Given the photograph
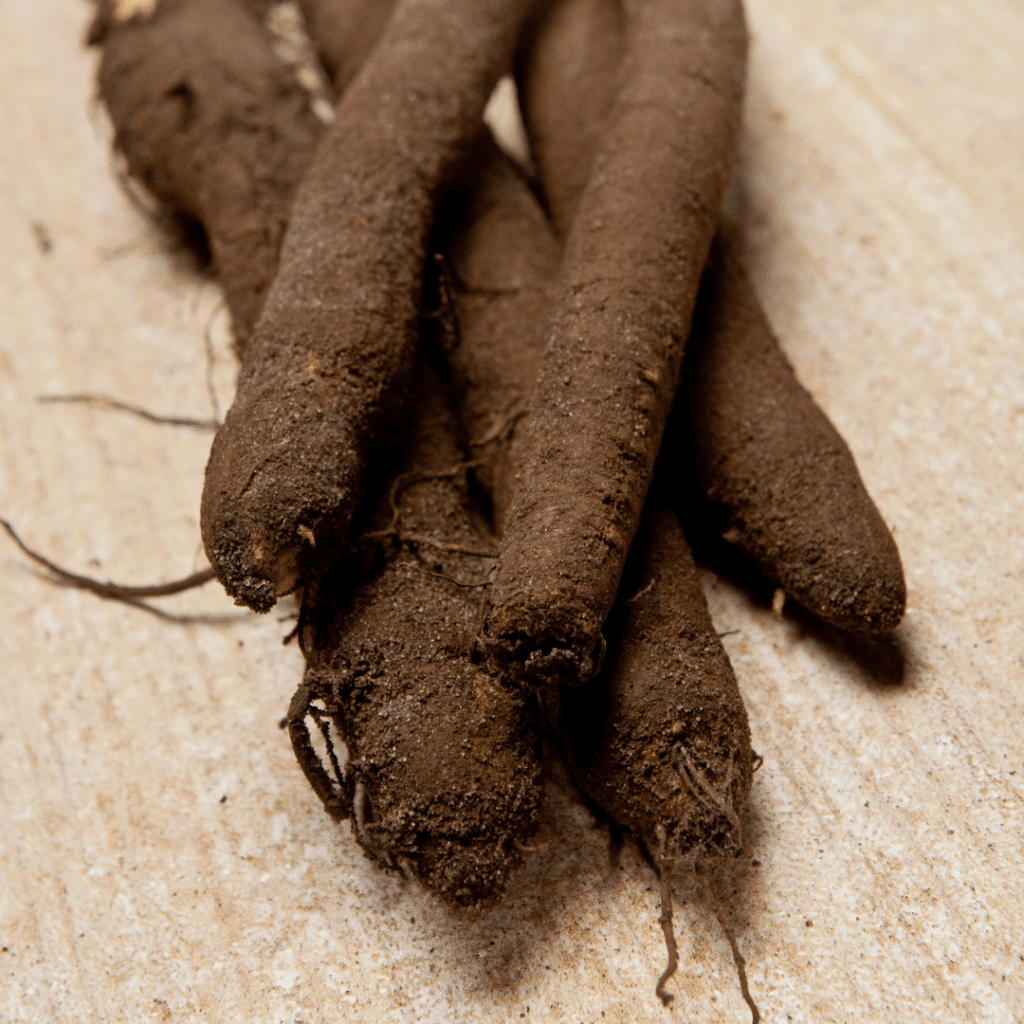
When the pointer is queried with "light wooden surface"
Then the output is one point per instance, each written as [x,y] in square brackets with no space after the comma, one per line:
[162,857]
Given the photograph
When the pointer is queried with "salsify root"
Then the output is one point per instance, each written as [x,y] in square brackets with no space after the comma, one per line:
[344,32]
[215,127]
[660,739]
[326,369]
[610,367]
[442,755]
[568,72]
[748,453]
[751,456]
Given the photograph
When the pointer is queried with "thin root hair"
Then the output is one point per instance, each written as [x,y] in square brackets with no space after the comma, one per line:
[741,965]
[392,530]
[130,595]
[335,794]
[713,797]
[211,359]
[136,410]
[442,576]
[663,865]
[114,591]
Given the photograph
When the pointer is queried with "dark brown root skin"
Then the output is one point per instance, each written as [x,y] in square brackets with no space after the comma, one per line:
[329,360]
[345,33]
[780,484]
[568,74]
[446,754]
[215,127]
[660,740]
[608,375]
[773,474]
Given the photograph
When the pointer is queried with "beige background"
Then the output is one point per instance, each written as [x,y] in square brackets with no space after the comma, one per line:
[162,857]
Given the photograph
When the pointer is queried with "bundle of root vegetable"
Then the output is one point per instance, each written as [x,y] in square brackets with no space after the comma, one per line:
[474,403]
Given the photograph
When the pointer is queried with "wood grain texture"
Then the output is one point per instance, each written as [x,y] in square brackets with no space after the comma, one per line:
[883,212]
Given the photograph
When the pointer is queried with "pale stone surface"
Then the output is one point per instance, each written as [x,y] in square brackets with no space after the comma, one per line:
[162,857]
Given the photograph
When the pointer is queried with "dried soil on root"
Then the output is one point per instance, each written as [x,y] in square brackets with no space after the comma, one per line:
[660,740]
[445,754]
